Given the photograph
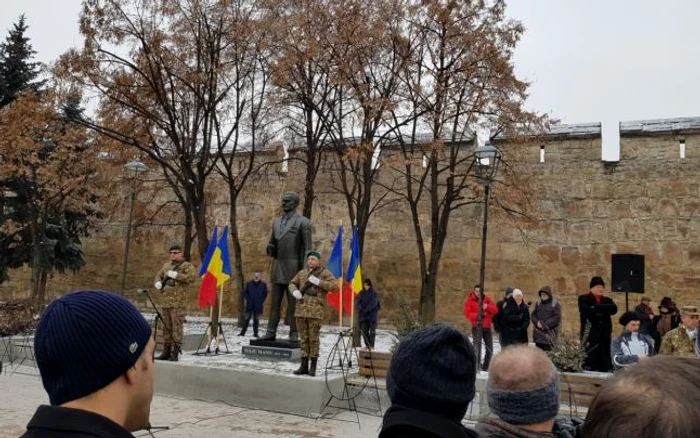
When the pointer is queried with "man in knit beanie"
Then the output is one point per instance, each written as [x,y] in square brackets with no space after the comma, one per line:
[94,351]
[523,395]
[430,384]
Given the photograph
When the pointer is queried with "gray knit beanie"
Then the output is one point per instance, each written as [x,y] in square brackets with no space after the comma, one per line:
[525,407]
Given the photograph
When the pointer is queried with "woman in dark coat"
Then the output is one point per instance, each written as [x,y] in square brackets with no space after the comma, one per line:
[368,306]
[596,310]
[546,320]
[514,320]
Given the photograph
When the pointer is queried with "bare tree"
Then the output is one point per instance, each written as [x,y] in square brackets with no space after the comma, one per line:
[241,127]
[301,73]
[460,78]
[155,68]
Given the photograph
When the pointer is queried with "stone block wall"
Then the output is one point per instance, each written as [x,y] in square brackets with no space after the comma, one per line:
[585,211]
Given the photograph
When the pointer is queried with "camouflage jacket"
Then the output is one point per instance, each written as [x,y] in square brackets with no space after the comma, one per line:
[677,343]
[313,304]
[176,292]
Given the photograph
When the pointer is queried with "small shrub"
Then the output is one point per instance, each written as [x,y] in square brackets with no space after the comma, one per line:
[568,353]
[407,322]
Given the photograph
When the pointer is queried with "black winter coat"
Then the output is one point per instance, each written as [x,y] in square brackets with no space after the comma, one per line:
[368,306]
[59,422]
[598,344]
[255,294]
[401,422]
[514,322]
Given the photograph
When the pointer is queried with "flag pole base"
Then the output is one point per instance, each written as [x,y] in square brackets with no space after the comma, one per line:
[217,350]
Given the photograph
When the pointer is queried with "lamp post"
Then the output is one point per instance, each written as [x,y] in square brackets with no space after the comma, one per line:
[137,167]
[487,158]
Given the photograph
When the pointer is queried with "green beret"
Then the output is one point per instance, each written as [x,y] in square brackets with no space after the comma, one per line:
[314,253]
[176,247]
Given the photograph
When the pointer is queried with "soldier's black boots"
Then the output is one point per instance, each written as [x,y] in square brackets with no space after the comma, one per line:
[167,351]
[175,354]
[312,368]
[304,367]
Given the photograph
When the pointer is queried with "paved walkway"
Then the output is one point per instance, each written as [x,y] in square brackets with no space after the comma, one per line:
[20,394]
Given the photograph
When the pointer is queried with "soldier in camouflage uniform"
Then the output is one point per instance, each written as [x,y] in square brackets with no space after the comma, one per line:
[680,342]
[174,281]
[309,287]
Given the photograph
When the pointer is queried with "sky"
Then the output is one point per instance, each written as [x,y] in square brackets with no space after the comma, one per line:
[593,61]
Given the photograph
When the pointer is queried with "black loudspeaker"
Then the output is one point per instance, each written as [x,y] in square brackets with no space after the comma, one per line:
[628,273]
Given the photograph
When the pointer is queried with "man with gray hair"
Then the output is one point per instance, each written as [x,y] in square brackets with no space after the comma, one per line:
[523,395]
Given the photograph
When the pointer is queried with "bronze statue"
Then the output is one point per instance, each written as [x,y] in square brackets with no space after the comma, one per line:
[289,242]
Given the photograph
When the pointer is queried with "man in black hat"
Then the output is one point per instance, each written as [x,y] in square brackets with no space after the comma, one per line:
[631,346]
[596,311]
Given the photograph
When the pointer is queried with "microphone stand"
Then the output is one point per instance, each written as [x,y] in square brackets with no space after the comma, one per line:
[159,316]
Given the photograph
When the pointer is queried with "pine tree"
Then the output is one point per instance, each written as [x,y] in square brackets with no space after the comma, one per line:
[18,71]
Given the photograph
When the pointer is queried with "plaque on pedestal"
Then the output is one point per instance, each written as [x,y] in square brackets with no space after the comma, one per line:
[282,349]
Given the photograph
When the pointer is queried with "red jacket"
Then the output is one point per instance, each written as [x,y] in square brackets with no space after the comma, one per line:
[471,309]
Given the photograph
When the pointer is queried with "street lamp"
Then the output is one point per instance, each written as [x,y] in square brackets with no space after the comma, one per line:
[487,160]
[137,167]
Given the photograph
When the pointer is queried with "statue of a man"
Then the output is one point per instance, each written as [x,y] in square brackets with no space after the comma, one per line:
[289,242]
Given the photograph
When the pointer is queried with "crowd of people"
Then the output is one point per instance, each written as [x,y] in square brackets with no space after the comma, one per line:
[673,331]
[431,383]
[431,380]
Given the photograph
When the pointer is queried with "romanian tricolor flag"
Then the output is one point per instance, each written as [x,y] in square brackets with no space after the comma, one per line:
[354,275]
[216,268]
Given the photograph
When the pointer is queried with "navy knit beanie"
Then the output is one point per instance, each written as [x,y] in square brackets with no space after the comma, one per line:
[434,370]
[85,340]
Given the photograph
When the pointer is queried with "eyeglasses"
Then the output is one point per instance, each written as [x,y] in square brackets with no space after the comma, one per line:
[175,252]
[694,316]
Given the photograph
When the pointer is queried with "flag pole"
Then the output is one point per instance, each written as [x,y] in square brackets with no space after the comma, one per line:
[340,283]
[209,332]
[221,298]
[352,296]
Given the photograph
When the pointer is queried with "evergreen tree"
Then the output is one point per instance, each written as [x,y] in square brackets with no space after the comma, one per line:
[18,71]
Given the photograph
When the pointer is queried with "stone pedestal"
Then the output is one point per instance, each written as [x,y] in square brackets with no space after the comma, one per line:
[275,350]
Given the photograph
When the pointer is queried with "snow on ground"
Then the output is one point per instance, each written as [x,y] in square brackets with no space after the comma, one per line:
[197,325]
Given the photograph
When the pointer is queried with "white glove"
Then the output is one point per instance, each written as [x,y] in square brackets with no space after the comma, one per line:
[172,274]
[158,285]
[296,294]
[314,280]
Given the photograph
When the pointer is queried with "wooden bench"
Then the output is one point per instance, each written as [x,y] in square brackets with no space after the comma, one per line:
[579,389]
[374,363]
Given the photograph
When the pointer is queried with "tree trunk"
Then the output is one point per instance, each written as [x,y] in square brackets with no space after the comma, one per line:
[187,242]
[427,299]
[41,293]
[309,192]
[237,259]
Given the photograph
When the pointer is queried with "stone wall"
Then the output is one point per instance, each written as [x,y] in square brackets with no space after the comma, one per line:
[586,210]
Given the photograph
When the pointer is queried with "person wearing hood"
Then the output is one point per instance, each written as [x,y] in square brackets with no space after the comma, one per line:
[546,320]
[668,319]
[471,312]
[514,320]
[632,345]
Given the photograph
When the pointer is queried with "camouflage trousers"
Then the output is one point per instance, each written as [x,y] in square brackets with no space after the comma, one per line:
[173,318]
[309,336]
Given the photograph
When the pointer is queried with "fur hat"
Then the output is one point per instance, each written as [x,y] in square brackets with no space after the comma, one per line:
[597,281]
[628,317]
